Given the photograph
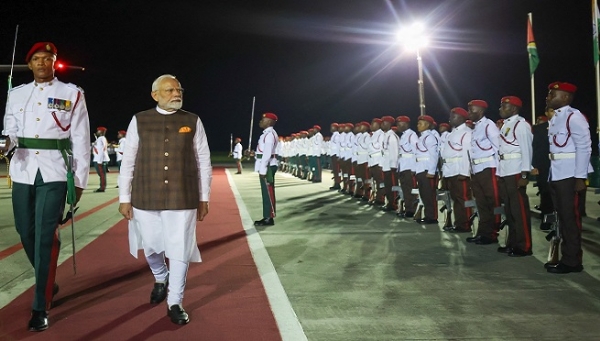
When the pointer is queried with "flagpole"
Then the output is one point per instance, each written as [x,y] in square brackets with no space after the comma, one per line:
[596,57]
[532,82]
[251,123]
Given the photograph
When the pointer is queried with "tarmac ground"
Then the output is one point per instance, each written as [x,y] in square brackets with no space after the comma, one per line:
[353,272]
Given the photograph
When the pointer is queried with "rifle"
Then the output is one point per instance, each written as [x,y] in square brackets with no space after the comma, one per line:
[553,237]
[399,199]
[503,222]
[473,204]
[447,207]
[419,211]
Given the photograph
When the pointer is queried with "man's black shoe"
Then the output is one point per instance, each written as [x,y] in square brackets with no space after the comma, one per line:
[562,268]
[473,239]
[545,226]
[265,222]
[549,265]
[99,190]
[409,214]
[159,292]
[427,221]
[519,253]
[486,241]
[504,249]
[38,321]
[448,228]
[334,187]
[177,314]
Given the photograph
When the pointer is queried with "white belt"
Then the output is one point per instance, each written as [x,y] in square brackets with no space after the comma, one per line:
[510,156]
[482,160]
[406,155]
[376,153]
[419,159]
[452,159]
[361,153]
[561,156]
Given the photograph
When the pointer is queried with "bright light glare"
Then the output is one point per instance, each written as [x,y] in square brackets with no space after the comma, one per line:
[413,37]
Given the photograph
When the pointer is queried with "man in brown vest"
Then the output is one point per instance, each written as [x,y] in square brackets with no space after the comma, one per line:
[164,187]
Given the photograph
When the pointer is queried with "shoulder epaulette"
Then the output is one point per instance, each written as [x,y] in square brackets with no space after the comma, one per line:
[73,86]
[17,87]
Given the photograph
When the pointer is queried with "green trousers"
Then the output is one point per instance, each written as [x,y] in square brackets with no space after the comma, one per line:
[267,188]
[38,209]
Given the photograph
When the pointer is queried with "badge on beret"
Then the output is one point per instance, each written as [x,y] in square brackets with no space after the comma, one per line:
[556,86]
[48,47]
[506,100]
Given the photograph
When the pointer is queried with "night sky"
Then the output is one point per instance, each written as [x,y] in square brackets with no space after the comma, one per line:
[310,62]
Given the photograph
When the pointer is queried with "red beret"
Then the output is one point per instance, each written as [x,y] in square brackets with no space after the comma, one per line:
[303,132]
[426,118]
[479,103]
[317,127]
[350,125]
[388,119]
[366,124]
[459,111]
[334,124]
[270,115]
[444,125]
[101,128]
[123,132]
[377,120]
[514,100]
[403,119]
[543,118]
[41,47]
[563,86]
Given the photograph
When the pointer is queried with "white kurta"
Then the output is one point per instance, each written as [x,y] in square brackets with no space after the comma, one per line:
[171,231]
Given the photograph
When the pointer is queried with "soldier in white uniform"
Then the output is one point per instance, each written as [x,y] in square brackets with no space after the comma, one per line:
[570,150]
[121,147]
[237,154]
[515,155]
[456,169]
[407,165]
[315,149]
[334,152]
[427,155]
[266,167]
[160,197]
[45,120]
[484,161]
[389,163]
[100,151]
[363,138]
[375,162]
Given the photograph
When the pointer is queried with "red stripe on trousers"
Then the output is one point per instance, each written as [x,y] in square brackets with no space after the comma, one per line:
[497,218]
[271,192]
[524,218]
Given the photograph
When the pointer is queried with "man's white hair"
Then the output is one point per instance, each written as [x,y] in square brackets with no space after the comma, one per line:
[160,79]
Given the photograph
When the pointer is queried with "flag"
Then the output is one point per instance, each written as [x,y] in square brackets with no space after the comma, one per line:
[534,59]
[595,22]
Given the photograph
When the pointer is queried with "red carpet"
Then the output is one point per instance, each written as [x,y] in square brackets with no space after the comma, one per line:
[108,298]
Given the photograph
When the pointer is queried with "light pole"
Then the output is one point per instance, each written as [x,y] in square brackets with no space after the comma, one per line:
[413,38]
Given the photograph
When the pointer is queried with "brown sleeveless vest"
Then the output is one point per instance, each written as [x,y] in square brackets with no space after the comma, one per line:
[166,173]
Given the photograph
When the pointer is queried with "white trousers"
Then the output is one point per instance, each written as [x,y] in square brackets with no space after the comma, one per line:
[176,274]
[172,232]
